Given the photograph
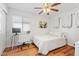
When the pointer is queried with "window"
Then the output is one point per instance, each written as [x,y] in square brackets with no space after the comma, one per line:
[26,27]
[17,19]
[18,22]
[17,25]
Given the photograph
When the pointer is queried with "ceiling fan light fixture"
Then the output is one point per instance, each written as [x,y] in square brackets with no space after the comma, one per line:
[45,4]
[47,8]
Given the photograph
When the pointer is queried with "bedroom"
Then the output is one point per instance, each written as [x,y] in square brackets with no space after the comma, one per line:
[25,31]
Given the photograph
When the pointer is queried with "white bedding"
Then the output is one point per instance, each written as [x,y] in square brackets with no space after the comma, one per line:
[48,42]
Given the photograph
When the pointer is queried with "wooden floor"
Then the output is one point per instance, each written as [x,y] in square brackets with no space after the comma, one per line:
[33,51]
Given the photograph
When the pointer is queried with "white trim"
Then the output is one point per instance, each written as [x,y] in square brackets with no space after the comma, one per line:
[3,11]
[71,44]
[3,7]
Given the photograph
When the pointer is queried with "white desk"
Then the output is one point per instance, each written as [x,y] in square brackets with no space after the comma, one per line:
[24,38]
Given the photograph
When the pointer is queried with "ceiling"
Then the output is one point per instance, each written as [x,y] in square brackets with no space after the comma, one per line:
[29,7]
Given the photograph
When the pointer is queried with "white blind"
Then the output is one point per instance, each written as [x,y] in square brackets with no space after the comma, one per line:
[19,22]
[17,25]
[17,19]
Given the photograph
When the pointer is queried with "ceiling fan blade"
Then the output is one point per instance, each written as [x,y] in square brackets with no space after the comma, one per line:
[38,8]
[40,12]
[55,4]
[55,10]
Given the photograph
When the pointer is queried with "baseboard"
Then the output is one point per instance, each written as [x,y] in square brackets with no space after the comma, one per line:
[1,51]
[71,44]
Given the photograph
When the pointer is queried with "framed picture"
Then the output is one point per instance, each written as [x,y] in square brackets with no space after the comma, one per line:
[66,21]
[56,23]
[76,18]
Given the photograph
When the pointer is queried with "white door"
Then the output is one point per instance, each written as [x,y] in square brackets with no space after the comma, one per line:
[2,30]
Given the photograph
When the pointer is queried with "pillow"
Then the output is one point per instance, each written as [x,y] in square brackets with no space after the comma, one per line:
[58,34]
[55,33]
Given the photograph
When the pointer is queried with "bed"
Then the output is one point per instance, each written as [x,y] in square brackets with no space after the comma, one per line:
[47,42]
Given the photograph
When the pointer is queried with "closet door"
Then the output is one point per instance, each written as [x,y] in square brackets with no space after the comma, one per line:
[2,30]
[1,34]
[0,23]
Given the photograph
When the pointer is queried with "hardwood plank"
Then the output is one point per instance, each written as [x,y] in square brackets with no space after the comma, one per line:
[33,51]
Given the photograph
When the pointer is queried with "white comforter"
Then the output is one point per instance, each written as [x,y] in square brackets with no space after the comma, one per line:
[46,43]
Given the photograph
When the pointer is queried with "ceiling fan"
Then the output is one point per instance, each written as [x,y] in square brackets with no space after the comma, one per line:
[47,7]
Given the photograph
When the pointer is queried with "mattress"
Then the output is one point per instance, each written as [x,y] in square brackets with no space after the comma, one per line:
[47,42]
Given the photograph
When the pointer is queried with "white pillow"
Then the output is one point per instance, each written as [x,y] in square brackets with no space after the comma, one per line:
[58,34]
[55,33]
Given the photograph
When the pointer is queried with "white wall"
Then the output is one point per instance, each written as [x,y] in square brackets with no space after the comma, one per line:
[71,33]
[32,18]
[2,27]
